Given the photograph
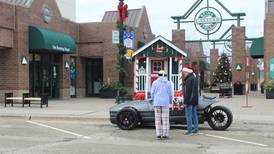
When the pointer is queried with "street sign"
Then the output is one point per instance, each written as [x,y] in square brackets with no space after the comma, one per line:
[239,67]
[128,38]
[115,37]
[271,68]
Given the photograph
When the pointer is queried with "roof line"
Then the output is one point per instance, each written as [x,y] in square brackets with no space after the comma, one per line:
[155,40]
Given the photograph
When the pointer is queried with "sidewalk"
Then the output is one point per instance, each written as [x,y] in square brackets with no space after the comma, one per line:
[262,109]
[95,108]
[84,108]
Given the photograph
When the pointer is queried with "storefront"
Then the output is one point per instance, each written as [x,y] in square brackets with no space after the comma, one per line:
[159,54]
[46,49]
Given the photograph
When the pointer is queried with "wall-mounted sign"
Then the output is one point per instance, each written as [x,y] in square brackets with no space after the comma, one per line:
[239,67]
[46,14]
[208,20]
[128,38]
[271,68]
[115,37]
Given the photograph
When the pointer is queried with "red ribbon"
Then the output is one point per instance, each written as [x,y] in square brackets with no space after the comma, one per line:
[124,10]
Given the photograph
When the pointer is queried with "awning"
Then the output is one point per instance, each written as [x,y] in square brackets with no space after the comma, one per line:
[41,39]
[204,65]
[257,48]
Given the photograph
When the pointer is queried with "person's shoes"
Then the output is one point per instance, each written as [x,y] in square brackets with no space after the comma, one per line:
[188,133]
[159,138]
[165,137]
[195,132]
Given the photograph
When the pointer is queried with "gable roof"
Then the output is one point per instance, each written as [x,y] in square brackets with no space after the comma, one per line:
[23,3]
[133,20]
[163,40]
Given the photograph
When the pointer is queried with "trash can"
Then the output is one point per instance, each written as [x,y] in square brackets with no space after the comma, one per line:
[238,88]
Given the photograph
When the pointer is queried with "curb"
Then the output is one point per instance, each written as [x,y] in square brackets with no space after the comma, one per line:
[57,118]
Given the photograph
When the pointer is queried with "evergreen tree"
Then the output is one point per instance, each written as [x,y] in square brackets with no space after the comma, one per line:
[223,72]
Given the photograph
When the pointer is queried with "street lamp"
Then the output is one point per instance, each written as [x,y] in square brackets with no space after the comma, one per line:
[121,17]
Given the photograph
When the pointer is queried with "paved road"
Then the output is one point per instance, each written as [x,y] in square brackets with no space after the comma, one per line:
[20,136]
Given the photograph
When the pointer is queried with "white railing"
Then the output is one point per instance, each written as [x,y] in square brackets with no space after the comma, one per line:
[141,82]
[175,81]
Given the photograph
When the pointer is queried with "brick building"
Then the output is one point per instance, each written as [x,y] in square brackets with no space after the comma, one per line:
[42,52]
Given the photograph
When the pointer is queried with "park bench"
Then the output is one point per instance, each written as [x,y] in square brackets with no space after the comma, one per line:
[42,100]
[10,99]
[26,99]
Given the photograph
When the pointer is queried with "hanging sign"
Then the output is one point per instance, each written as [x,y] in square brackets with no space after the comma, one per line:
[208,20]
[128,38]
[271,68]
[115,37]
[129,54]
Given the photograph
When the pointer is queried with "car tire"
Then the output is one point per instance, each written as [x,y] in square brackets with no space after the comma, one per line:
[219,118]
[127,119]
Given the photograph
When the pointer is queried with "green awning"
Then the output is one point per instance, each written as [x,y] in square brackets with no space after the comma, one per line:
[41,39]
[204,65]
[257,48]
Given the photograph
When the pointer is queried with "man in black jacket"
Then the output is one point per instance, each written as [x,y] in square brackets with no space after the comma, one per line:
[191,99]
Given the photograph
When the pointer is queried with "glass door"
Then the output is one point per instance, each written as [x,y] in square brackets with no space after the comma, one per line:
[94,76]
[44,75]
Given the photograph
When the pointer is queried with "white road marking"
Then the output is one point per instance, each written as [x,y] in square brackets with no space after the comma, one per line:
[60,130]
[235,140]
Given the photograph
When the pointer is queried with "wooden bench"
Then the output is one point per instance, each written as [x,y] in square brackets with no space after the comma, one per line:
[27,99]
[10,99]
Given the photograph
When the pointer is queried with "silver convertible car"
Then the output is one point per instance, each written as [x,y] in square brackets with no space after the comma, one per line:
[130,114]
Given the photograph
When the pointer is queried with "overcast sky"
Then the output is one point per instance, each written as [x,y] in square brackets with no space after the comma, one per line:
[160,11]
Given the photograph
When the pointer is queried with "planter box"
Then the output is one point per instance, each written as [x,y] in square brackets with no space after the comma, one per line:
[269,94]
[108,94]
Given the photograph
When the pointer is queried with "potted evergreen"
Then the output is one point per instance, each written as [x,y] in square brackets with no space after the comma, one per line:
[269,88]
[111,90]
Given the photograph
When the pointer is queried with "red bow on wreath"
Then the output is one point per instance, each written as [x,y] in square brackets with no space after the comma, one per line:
[124,12]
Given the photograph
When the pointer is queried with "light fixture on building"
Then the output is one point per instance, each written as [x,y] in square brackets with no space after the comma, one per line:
[24,60]
[253,73]
[66,65]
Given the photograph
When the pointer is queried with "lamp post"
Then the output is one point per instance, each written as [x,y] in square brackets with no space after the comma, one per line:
[121,17]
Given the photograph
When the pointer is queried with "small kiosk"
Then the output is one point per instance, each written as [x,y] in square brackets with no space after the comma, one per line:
[159,54]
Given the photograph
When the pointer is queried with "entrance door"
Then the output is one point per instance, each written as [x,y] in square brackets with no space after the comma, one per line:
[94,76]
[156,66]
[44,75]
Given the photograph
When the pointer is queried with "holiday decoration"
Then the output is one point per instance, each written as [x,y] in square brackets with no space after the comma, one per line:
[223,72]
[122,9]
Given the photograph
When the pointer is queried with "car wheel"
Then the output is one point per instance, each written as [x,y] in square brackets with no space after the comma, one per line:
[127,119]
[219,118]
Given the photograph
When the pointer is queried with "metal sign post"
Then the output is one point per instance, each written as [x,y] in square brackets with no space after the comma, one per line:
[246,83]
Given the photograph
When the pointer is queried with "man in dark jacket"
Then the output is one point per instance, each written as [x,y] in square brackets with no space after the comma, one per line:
[191,99]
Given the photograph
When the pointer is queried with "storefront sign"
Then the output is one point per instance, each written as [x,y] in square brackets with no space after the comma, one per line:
[64,49]
[115,37]
[128,38]
[271,68]
[208,20]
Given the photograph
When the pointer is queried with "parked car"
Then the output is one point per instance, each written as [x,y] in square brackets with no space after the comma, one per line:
[130,114]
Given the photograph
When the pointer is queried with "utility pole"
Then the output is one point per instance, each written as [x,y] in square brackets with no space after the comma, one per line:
[121,17]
